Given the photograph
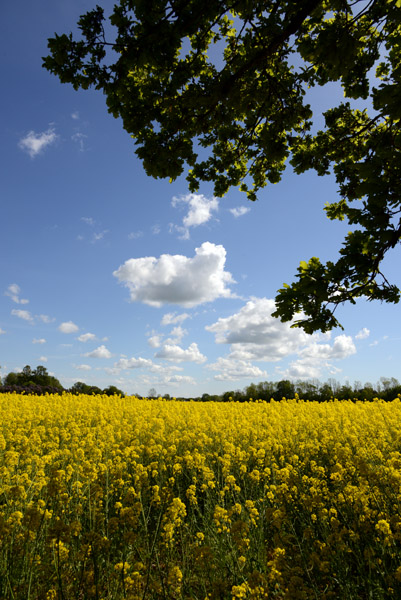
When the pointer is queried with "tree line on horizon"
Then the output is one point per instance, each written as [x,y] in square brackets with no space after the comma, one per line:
[39,381]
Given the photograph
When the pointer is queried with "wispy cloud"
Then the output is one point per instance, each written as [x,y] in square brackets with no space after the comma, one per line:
[22,314]
[35,143]
[39,341]
[79,138]
[239,211]
[13,291]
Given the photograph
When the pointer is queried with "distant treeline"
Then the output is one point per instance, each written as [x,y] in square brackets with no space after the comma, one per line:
[38,381]
[385,388]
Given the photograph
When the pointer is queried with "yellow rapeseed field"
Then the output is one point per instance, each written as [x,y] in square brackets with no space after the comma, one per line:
[110,498]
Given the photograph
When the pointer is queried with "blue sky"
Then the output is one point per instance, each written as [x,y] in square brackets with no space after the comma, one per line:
[110,277]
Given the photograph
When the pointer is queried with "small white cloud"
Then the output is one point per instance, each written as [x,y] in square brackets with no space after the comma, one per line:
[234,369]
[22,314]
[176,335]
[173,318]
[176,279]
[46,318]
[363,334]
[239,211]
[85,337]
[156,229]
[82,367]
[2,332]
[68,327]
[75,115]
[155,341]
[133,363]
[13,292]
[43,359]
[134,235]
[175,353]
[34,143]
[39,341]
[100,352]
[200,211]
[99,236]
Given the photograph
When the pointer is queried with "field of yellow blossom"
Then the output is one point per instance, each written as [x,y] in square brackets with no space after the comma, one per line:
[110,498]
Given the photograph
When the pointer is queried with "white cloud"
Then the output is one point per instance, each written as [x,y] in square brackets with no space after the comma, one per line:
[13,291]
[99,236]
[173,318]
[155,341]
[239,211]
[88,220]
[175,353]
[2,332]
[85,337]
[46,318]
[82,367]
[134,235]
[200,211]
[43,358]
[100,352]
[79,138]
[68,327]
[363,334]
[177,279]
[156,229]
[133,363]
[39,341]
[75,115]
[176,335]
[256,334]
[232,369]
[35,143]
[22,314]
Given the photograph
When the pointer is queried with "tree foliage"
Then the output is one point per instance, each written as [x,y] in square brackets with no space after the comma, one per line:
[217,89]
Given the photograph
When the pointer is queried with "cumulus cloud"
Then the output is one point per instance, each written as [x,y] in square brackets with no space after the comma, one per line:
[39,341]
[34,143]
[22,314]
[100,352]
[86,337]
[176,335]
[362,334]
[133,363]
[177,279]
[43,358]
[13,291]
[68,327]
[173,318]
[175,353]
[83,367]
[155,341]
[239,211]
[200,211]
[232,369]
[256,334]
